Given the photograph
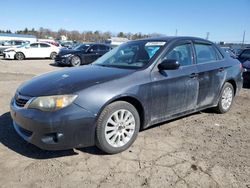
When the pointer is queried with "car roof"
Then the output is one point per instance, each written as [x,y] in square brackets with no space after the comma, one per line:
[171,38]
[94,43]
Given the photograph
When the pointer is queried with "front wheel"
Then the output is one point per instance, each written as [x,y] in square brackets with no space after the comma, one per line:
[117,127]
[226,98]
[53,55]
[75,61]
[19,56]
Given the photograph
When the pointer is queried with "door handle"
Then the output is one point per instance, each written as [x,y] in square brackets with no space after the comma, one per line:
[221,69]
[193,75]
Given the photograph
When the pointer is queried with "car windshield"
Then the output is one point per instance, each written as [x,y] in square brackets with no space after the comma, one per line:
[81,47]
[132,55]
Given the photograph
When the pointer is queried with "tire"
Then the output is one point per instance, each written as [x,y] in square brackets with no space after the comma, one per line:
[53,55]
[114,135]
[19,56]
[226,99]
[75,61]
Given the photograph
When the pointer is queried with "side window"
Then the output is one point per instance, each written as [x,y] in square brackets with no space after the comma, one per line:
[34,45]
[18,42]
[181,53]
[42,45]
[205,53]
[93,48]
[219,54]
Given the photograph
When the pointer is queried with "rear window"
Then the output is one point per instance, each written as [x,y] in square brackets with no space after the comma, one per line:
[205,53]
[245,54]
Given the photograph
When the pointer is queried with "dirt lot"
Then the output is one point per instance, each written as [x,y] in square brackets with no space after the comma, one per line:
[200,150]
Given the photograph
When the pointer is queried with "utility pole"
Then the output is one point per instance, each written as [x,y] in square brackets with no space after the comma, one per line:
[243,40]
[207,37]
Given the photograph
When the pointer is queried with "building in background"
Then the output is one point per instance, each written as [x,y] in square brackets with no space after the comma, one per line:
[11,36]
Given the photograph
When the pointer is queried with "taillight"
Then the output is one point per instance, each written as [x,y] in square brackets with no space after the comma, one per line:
[241,67]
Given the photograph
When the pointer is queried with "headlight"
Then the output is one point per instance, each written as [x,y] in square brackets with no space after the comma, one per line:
[51,103]
[67,55]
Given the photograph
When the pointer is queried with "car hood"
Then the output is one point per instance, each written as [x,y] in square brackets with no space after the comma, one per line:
[70,80]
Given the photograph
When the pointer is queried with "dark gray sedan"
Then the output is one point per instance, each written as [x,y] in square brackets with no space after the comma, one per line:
[132,87]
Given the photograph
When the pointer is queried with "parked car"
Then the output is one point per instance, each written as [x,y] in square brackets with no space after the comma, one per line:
[10,44]
[244,58]
[34,50]
[134,86]
[230,51]
[82,54]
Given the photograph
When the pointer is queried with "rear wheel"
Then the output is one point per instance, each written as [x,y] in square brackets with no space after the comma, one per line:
[75,61]
[19,56]
[226,98]
[53,55]
[117,127]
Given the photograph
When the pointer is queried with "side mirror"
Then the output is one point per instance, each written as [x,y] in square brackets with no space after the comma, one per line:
[90,50]
[169,64]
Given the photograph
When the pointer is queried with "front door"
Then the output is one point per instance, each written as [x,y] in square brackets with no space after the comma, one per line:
[32,51]
[175,91]
[91,55]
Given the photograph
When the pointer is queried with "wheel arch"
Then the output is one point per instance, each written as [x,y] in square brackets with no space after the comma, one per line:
[79,56]
[53,52]
[233,82]
[21,53]
[133,101]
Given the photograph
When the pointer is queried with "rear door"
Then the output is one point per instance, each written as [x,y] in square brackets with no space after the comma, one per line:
[175,91]
[45,50]
[102,49]
[211,72]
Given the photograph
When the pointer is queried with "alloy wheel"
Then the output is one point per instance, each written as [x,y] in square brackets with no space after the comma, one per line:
[227,98]
[120,128]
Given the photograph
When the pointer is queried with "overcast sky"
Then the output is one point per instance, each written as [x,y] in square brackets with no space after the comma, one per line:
[225,20]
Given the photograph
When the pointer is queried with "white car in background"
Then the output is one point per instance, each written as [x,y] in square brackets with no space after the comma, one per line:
[33,50]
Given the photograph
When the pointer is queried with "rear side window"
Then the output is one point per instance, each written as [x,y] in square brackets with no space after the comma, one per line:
[205,53]
[103,48]
[44,45]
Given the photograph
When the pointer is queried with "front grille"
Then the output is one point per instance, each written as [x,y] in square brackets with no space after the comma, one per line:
[20,100]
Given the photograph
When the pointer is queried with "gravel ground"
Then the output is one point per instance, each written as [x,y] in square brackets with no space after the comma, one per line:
[200,150]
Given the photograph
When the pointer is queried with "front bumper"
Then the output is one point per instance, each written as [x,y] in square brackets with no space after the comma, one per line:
[62,60]
[9,55]
[67,128]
